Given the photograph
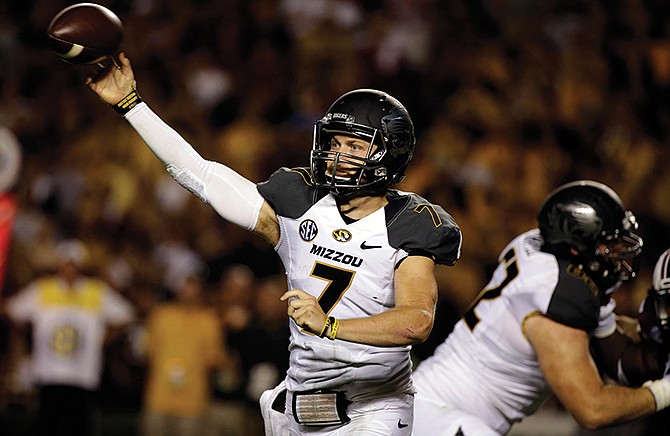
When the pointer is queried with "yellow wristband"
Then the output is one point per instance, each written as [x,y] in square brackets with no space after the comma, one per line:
[335,324]
[325,327]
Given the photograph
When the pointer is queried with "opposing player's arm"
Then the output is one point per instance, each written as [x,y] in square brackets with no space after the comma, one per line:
[409,322]
[565,360]
[606,352]
[235,198]
[626,357]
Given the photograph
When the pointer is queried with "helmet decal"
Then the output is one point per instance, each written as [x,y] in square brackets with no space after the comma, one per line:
[576,220]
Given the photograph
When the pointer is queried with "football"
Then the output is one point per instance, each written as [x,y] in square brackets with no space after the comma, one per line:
[643,361]
[85,33]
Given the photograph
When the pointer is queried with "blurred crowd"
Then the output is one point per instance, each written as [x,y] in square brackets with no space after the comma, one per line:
[510,98]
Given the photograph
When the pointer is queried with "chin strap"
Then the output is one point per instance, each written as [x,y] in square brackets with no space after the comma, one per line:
[345,194]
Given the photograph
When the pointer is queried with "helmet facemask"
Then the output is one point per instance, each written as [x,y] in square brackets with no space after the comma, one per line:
[343,172]
[618,253]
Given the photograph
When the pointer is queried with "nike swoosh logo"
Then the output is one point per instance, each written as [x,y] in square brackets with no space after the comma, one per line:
[365,246]
[401,425]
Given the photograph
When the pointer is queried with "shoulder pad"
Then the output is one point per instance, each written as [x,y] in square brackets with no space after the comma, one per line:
[575,301]
[422,228]
[290,191]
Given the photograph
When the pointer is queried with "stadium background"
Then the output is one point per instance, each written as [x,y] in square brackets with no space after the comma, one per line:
[510,98]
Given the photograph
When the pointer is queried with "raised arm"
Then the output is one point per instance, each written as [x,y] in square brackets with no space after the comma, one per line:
[233,197]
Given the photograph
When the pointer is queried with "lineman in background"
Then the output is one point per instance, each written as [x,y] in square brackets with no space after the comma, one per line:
[528,334]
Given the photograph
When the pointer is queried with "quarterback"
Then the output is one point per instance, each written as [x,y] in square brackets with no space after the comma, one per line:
[359,256]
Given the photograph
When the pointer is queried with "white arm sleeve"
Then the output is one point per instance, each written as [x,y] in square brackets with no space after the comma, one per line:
[233,197]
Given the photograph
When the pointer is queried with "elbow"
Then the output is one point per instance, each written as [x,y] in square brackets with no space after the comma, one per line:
[592,420]
[589,425]
[592,425]
[418,331]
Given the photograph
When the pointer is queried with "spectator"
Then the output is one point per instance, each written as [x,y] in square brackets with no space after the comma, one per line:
[252,314]
[70,314]
[183,347]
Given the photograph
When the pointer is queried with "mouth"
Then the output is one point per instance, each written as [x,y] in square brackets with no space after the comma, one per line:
[340,174]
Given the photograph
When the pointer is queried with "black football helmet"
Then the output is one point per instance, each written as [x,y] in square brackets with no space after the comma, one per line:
[373,116]
[585,222]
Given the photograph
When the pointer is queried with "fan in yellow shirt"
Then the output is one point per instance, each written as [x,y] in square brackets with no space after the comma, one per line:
[184,344]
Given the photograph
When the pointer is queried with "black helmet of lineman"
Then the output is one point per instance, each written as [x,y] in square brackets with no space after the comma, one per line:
[373,116]
[585,222]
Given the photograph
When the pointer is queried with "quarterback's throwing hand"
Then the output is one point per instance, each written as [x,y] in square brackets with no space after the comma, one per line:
[305,310]
[116,84]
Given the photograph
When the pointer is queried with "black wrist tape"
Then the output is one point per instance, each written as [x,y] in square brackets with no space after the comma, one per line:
[128,102]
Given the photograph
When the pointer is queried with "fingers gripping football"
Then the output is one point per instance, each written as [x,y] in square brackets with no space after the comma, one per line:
[115,84]
[304,309]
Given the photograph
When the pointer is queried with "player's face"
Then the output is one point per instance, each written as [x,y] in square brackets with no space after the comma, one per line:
[68,271]
[347,145]
[622,252]
[622,248]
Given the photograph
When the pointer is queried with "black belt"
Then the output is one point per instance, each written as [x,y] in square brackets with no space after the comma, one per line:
[279,404]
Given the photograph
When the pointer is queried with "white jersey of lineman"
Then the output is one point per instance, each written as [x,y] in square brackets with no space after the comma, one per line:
[69,328]
[487,371]
[349,267]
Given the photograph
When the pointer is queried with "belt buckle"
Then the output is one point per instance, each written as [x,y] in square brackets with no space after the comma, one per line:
[320,408]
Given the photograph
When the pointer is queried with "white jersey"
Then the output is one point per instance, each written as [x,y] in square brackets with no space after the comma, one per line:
[349,267]
[69,328]
[487,368]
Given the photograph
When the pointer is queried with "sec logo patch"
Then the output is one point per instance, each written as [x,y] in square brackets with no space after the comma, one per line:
[308,230]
